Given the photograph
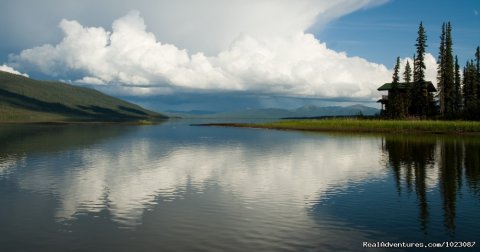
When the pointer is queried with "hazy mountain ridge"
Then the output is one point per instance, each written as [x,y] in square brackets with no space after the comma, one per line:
[26,100]
[313,111]
[276,113]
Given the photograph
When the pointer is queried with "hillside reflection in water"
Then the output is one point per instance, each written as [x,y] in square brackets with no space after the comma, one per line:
[223,187]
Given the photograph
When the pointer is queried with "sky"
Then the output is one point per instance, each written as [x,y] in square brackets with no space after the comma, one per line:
[229,55]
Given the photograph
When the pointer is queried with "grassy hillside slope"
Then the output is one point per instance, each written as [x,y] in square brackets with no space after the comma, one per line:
[27,100]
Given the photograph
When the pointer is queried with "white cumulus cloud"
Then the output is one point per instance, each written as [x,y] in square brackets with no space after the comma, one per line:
[9,69]
[430,71]
[296,64]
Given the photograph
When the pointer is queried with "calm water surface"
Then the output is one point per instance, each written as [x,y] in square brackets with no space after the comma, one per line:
[173,187]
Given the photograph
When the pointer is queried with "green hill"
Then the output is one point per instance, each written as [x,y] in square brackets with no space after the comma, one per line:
[26,100]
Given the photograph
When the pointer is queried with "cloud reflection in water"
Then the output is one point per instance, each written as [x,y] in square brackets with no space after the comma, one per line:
[129,179]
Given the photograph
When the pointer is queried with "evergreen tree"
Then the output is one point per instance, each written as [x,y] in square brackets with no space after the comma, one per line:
[465,88]
[407,77]
[395,101]
[470,90]
[407,74]
[449,73]
[477,57]
[410,90]
[421,45]
[446,72]
[396,71]
[414,65]
[441,71]
[420,102]
[477,79]
[458,88]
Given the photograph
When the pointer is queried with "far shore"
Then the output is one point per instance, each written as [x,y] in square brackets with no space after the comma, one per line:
[366,126]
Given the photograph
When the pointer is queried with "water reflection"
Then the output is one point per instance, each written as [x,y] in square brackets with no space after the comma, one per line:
[232,189]
[412,158]
[421,164]
[20,141]
[471,160]
[9,162]
[127,176]
[31,139]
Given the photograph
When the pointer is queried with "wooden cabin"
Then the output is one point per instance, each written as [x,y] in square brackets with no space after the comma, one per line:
[402,89]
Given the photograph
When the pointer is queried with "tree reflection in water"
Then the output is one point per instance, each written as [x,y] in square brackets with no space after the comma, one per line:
[450,161]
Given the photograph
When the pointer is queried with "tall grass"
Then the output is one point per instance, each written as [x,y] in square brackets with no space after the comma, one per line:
[376,125]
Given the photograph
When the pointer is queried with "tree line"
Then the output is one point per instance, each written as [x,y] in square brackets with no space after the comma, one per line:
[458,92]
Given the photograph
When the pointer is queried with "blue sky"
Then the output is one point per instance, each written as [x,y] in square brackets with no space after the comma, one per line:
[248,53]
[382,33]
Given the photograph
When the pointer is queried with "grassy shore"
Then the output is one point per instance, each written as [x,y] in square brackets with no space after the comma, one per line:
[367,125]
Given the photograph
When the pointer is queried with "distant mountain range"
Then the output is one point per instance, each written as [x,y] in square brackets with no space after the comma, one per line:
[276,113]
[26,100]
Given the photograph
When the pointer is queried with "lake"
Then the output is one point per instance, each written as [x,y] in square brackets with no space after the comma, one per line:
[176,187]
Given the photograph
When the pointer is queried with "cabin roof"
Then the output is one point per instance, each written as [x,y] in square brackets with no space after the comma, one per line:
[403,85]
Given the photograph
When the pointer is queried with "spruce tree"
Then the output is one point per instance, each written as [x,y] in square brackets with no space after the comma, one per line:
[410,90]
[446,73]
[395,103]
[458,88]
[396,71]
[465,88]
[441,71]
[477,58]
[407,77]
[470,91]
[419,101]
[407,74]
[414,66]
[449,73]
[477,79]
[421,45]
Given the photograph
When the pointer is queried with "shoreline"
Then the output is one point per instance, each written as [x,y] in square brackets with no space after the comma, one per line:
[361,126]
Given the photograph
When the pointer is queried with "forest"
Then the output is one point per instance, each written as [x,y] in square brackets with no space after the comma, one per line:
[457,96]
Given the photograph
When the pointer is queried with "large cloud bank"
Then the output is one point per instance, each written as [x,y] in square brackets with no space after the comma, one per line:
[207,26]
[296,64]
[285,61]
